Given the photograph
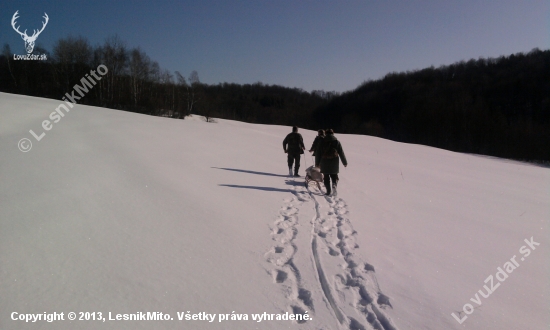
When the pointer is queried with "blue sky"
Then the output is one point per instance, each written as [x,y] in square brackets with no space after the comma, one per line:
[329,45]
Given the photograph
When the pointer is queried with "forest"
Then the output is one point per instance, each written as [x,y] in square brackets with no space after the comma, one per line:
[497,106]
[137,83]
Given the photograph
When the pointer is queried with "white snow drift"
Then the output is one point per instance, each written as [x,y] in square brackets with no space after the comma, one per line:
[126,214]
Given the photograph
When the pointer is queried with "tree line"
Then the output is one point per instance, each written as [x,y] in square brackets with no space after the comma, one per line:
[136,83]
[498,107]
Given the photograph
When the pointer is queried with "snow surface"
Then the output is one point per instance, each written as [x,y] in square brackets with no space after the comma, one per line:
[125,213]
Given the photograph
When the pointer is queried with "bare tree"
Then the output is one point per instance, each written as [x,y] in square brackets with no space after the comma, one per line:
[166,82]
[183,90]
[73,56]
[188,90]
[154,90]
[6,51]
[192,91]
[114,55]
[139,69]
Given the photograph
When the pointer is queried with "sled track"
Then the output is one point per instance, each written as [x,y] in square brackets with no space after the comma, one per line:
[322,278]
[352,293]
[356,285]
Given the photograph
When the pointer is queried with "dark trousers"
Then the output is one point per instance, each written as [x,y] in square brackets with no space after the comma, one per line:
[291,159]
[326,181]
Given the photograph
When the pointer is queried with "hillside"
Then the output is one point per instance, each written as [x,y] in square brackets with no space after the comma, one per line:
[120,212]
[496,106]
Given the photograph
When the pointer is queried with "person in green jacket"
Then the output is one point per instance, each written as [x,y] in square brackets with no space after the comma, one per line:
[327,157]
[295,148]
[318,139]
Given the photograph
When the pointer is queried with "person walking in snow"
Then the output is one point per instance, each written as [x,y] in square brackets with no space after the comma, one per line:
[317,142]
[295,148]
[328,158]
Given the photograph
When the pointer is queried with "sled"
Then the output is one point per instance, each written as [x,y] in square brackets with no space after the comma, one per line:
[313,174]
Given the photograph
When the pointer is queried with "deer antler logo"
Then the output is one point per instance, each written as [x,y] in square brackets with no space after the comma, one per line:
[29,40]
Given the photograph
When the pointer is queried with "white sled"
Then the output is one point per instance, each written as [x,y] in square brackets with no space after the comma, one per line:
[313,174]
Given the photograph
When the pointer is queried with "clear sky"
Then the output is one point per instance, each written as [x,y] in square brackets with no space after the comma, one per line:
[309,44]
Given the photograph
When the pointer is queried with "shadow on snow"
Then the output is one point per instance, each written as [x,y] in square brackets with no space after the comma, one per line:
[255,187]
[251,172]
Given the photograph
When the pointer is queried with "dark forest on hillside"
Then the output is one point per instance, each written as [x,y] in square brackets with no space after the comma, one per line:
[498,107]
[136,83]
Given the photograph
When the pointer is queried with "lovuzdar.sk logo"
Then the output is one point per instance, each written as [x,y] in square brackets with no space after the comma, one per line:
[29,40]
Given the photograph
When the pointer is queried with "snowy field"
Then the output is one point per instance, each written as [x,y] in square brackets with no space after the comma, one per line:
[121,213]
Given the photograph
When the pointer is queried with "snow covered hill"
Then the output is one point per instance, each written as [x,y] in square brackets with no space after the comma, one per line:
[121,213]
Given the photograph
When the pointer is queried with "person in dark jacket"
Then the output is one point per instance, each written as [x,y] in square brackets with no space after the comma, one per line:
[317,142]
[295,148]
[328,157]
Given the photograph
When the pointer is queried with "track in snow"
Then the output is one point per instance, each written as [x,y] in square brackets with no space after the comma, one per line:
[356,285]
[281,256]
[351,291]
